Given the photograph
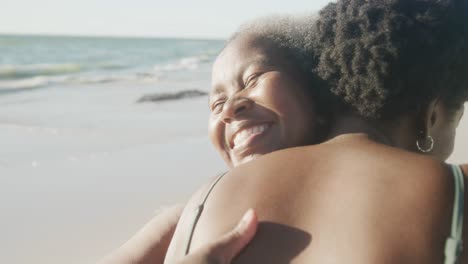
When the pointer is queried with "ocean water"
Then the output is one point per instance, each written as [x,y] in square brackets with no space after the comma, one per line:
[28,62]
[52,86]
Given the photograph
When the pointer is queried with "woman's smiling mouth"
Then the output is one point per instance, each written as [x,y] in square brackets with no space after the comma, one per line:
[246,136]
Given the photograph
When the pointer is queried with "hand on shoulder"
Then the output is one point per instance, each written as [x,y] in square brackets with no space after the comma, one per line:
[224,249]
[151,243]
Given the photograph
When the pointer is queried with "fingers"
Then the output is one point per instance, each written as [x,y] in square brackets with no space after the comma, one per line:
[231,244]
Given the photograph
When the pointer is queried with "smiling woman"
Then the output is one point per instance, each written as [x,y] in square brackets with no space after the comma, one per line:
[259,105]
[262,98]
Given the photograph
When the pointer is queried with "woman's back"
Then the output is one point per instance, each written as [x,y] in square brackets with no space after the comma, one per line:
[349,200]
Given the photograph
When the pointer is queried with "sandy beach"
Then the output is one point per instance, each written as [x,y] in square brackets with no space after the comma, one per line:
[70,195]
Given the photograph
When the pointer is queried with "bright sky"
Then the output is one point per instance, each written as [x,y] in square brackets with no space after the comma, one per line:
[158,18]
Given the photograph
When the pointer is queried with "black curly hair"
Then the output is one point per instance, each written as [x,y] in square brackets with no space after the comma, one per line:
[384,58]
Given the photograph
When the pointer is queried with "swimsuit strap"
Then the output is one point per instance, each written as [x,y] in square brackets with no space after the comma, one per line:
[454,243]
[199,210]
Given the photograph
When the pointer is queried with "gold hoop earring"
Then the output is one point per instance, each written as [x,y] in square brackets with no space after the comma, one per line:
[431,145]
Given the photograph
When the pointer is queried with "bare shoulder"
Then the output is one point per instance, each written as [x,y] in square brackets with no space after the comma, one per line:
[399,206]
[406,181]
[395,204]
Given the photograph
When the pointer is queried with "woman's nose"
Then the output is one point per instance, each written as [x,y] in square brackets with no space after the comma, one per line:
[236,107]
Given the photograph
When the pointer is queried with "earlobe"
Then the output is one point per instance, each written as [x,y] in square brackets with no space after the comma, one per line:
[429,118]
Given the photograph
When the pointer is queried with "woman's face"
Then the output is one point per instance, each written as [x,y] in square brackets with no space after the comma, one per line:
[257,104]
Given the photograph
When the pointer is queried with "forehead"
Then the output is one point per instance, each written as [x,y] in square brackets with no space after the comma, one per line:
[243,50]
[240,54]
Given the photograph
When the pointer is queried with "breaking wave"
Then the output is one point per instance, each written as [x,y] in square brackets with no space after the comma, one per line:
[24,77]
[188,63]
[32,70]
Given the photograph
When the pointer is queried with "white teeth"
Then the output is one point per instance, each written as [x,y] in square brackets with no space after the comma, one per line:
[244,134]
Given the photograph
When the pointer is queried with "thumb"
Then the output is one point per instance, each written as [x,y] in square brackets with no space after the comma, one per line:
[231,244]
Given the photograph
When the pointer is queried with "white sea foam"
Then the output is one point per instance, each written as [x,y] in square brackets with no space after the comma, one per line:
[43,81]
[28,83]
[22,77]
[109,78]
[188,63]
[9,71]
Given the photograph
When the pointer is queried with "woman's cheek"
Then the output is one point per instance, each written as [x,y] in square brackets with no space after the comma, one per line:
[214,131]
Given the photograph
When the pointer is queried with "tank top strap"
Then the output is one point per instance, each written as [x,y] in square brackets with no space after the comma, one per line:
[199,210]
[454,243]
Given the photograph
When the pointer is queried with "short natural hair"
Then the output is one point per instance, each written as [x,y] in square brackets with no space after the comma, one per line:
[385,58]
[287,33]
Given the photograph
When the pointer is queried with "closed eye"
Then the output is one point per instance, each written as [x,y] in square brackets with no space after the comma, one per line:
[217,106]
[252,80]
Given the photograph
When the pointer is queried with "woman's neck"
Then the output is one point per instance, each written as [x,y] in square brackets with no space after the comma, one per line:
[352,124]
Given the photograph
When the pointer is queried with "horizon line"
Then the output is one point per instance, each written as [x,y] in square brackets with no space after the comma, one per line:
[108,36]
